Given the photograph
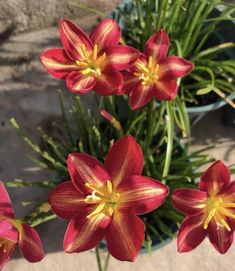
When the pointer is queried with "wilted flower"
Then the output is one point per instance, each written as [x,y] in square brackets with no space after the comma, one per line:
[103,201]
[13,232]
[154,74]
[90,63]
[210,210]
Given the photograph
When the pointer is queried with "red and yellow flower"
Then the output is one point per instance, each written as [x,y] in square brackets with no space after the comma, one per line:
[154,74]
[103,201]
[90,63]
[13,232]
[210,210]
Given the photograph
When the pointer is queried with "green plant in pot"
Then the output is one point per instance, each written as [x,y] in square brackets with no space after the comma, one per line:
[119,157]
[198,33]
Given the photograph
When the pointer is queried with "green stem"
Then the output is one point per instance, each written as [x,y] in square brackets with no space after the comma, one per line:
[170,132]
[106,262]
[98,258]
[150,125]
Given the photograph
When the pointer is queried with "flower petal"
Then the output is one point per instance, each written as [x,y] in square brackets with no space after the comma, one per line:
[58,63]
[8,231]
[215,178]
[157,45]
[79,83]
[84,168]
[219,237]
[30,244]
[73,38]
[85,233]
[125,236]
[191,233]
[109,83]
[140,96]
[107,33]
[140,195]
[66,200]
[120,57]
[125,158]
[166,90]
[228,193]
[189,201]
[9,247]
[6,208]
[130,82]
[174,67]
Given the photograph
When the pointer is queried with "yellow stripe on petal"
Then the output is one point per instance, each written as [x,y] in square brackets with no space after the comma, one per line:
[83,233]
[55,65]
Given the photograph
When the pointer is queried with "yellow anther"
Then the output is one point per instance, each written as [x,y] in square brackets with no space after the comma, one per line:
[141,66]
[208,219]
[100,59]
[84,50]
[95,50]
[150,62]
[109,187]
[110,210]
[99,190]
[222,221]
[4,250]
[98,210]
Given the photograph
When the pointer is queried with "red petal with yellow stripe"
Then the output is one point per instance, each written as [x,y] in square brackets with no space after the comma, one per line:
[120,57]
[84,168]
[140,195]
[30,244]
[130,82]
[85,233]
[189,201]
[219,236]
[215,178]
[109,83]
[157,46]
[6,208]
[174,67]
[191,233]
[79,83]
[140,96]
[58,63]
[8,231]
[73,39]
[66,200]
[125,236]
[166,90]
[228,193]
[107,33]
[125,158]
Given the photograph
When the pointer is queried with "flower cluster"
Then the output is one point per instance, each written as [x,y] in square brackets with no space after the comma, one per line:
[103,201]
[99,63]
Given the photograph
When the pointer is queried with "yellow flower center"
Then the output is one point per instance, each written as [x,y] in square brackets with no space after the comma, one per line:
[91,63]
[147,74]
[218,209]
[105,197]
[5,245]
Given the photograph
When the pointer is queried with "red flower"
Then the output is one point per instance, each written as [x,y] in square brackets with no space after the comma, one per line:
[90,63]
[154,74]
[12,231]
[103,201]
[210,210]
